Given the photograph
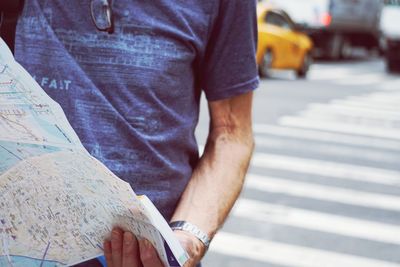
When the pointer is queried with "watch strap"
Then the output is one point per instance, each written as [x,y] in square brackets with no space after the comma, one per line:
[192,229]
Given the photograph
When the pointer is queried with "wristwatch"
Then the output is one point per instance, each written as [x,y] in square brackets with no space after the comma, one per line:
[192,229]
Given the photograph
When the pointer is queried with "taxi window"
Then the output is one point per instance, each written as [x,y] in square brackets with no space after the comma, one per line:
[276,19]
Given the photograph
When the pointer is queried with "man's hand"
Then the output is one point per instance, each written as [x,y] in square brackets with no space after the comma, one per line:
[124,250]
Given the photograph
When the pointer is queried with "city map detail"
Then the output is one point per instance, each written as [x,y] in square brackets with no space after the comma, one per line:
[52,206]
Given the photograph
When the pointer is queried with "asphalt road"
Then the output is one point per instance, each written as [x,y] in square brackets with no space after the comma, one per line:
[324,184]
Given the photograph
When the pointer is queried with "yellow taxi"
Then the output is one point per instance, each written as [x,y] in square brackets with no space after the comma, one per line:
[280,45]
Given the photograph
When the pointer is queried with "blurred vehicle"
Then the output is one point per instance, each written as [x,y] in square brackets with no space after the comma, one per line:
[280,46]
[336,26]
[390,27]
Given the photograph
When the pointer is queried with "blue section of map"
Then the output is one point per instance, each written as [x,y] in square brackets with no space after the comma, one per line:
[11,153]
[22,261]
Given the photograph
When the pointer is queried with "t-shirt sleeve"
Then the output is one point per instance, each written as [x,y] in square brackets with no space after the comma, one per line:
[229,67]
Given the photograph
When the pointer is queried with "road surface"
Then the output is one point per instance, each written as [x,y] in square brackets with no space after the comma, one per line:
[324,184]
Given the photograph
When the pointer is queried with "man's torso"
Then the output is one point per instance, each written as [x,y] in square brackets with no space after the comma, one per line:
[131,96]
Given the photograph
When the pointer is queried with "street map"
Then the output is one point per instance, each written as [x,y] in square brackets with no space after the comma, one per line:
[53,209]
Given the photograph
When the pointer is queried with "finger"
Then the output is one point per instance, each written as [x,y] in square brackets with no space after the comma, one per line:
[116,247]
[148,254]
[107,253]
[130,251]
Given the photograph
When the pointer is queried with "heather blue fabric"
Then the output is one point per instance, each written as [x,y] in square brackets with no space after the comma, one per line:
[133,96]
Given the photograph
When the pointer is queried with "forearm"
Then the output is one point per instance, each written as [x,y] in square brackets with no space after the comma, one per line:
[218,179]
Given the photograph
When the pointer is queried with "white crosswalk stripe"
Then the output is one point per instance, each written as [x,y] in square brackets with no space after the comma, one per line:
[344,110]
[370,105]
[345,77]
[327,168]
[363,79]
[390,85]
[329,149]
[342,127]
[278,214]
[386,99]
[329,75]
[320,192]
[324,136]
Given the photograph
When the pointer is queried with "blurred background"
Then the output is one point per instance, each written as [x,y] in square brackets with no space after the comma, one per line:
[324,184]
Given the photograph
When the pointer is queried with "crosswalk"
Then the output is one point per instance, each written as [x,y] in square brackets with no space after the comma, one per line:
[323,188]
[321,192]
[269,252]
[345,76]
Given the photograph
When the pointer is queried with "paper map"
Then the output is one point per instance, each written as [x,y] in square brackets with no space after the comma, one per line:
[57,202]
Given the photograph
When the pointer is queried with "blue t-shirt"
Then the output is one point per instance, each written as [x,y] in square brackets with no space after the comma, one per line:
[133,96]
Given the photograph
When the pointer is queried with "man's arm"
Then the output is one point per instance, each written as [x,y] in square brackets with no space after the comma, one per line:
[213,188]
[218,178]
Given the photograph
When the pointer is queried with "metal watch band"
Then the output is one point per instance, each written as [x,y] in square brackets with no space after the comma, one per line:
[193,229]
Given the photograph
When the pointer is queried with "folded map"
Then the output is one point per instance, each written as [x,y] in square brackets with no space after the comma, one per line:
[58,203]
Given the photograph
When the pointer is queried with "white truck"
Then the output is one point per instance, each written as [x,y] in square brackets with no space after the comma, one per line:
[336,26]
[390,28]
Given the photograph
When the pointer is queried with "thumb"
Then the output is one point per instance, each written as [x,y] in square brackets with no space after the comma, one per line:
[148,254]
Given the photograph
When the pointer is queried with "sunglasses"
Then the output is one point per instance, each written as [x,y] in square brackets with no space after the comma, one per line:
[102,16]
